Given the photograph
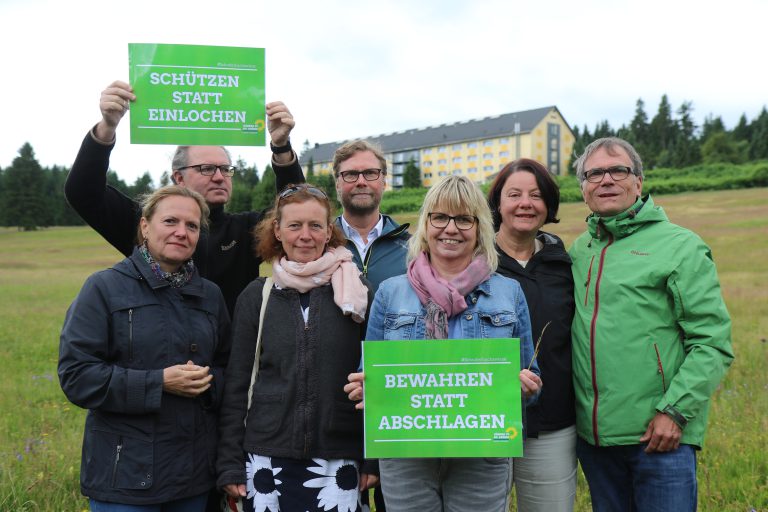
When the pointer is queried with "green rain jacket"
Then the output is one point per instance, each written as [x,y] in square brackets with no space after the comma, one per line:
[651,331]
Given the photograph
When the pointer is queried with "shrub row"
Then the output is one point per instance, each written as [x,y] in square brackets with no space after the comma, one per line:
[657,181]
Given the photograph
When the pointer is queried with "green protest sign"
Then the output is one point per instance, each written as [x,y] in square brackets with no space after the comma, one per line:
[442,398]
[197,95]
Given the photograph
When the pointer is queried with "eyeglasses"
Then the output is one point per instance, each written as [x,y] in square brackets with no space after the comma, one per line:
[441,220]
[307,188]
[210,169]
[368,174]
[617,172]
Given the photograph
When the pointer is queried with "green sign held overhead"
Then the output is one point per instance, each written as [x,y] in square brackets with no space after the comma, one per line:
[442,398]
[197,95]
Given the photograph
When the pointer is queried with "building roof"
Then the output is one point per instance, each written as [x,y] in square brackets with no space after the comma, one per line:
[474,129]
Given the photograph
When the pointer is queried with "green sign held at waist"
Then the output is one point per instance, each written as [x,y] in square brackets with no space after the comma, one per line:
[197,95]
[442,398]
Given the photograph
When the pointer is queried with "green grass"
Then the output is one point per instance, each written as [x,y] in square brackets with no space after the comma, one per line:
[42,271]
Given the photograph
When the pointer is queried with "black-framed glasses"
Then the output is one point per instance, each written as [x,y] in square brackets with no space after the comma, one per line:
[617,172]
[288,192]
[441,220]
[210,169]
[368,174]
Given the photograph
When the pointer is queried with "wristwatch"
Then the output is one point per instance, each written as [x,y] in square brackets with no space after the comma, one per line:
[281,149]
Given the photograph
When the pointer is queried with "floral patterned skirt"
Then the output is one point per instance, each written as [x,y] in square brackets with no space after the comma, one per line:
[277,484]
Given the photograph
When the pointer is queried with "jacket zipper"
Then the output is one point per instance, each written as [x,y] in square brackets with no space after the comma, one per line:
[394,233]
[589,277]
[592,339]
[130,335]
[661,368]
[117,460]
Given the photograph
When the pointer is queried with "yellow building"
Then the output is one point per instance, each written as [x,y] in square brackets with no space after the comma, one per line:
[477,148]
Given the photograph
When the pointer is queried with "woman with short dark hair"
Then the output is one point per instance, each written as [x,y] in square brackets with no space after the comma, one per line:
[523,198]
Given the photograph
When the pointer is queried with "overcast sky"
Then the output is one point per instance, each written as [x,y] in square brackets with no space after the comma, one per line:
[359,68]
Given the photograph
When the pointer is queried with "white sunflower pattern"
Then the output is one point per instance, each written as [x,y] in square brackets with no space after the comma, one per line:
[262,483]
[338,484]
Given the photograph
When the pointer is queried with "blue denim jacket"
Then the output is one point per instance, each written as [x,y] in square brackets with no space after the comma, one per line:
[496,309]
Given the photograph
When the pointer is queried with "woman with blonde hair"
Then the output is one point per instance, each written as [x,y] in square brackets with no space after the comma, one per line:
[143,348]
[451,290]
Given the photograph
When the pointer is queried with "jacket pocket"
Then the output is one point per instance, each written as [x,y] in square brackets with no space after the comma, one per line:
[115,460]
[499,324]
[345,422]
[137,327]
[266,413]
[399,326]
[660,368]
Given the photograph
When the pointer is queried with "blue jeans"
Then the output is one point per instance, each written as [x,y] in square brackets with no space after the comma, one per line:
[625,478]
[191,504]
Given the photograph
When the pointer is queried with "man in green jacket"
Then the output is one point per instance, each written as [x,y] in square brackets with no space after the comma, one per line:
[651,340]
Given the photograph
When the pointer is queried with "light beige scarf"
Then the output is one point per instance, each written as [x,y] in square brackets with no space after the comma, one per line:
[335,266]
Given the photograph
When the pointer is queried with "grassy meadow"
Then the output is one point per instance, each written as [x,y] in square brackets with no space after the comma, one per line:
[42,271]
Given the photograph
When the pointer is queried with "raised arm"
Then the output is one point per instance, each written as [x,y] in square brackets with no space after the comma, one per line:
[113,215]
[285,162]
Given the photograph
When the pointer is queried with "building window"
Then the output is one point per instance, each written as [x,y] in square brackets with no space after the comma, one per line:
[456,171]
[427,150]
[471,158]
[427,163]
[487,156]
[441,149]
[472,144]
[457,159]
[503,153]
[488,142]
[488,168]
[503,140]
[427,175]
[442,161]
[456,147]
[472,170]
[442,173]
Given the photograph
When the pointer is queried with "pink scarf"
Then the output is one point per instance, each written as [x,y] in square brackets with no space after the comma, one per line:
[336,266]
[441,298]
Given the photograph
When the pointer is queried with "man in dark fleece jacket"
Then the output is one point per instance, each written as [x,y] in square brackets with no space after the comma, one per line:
[225,252]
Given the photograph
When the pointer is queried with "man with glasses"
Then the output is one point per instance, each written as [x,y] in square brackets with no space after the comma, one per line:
[378,243]
[225,252]
[651,340]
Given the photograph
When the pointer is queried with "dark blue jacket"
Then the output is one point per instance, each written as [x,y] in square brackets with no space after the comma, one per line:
[386,255]
[141,445]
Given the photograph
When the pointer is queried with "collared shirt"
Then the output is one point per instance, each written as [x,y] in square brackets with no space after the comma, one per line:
[353,235]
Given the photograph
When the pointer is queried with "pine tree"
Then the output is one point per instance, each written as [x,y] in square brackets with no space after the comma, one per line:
[758,145]
[263,195]
[662,132]
[743,129]
[412,175]
[24,202]
[711,126]
[686,150]
[142,186]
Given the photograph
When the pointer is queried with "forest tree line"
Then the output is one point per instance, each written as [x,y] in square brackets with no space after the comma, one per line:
[32,196]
